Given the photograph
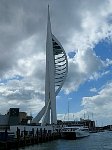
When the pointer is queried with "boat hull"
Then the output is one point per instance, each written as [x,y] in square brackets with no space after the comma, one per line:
[81,134]
[74,132]
[68,135]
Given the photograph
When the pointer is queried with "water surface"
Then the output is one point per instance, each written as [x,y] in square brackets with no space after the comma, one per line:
[96,141]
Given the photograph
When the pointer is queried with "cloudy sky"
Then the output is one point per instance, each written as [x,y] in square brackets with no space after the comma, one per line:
[84,28]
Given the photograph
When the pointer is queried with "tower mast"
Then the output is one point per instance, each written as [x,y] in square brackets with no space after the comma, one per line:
[56,72]
[50,77]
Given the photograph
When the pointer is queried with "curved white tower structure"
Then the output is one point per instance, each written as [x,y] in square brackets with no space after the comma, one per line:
[56,72]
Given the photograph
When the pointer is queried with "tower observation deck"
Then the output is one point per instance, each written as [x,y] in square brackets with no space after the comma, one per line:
[56,72]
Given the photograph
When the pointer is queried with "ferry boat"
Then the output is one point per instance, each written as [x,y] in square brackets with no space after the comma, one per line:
[74,132]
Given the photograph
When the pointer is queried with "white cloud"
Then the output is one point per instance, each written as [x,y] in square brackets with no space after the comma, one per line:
[22,94]
[100,104]
[80,68]
[108,62]
[93,90]
[97,75]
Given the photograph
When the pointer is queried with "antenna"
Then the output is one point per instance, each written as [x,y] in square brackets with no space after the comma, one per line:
[68,110]
[64,117]
[84,115]
[73,117]
[92,116]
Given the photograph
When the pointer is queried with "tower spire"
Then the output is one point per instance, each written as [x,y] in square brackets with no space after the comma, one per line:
[48,21]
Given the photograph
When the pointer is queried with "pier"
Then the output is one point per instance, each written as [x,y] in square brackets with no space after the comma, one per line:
[25,138]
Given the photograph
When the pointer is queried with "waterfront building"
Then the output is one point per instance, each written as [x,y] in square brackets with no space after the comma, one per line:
[82,122]
[14,117]
[89,123]
[56,71]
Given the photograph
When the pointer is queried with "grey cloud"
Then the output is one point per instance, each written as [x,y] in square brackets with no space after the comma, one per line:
[19,20]
[21,94]
[24,95]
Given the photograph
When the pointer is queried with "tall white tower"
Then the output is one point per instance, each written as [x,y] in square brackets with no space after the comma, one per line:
[56,71]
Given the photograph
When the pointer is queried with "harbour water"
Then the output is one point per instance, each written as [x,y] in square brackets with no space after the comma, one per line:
[96,141]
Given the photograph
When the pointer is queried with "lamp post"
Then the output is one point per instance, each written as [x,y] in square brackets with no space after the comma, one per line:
[68,110]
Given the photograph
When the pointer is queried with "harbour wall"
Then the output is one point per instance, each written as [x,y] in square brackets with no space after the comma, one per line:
[27,135]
